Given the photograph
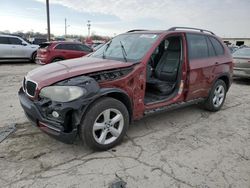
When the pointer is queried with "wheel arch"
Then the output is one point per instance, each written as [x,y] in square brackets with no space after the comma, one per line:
[56,57]
[117,94]
[226,78]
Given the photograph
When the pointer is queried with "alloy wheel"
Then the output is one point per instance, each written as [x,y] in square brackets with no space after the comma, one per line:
[219,95]
[108,126]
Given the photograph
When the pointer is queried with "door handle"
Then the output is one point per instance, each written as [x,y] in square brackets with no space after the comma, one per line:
[216,63]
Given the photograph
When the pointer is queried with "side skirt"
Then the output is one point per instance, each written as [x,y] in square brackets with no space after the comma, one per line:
[173,106]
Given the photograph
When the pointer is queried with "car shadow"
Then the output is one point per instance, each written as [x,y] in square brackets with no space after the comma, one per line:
[242,81]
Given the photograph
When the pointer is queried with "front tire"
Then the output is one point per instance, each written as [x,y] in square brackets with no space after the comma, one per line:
[105,124]
[33,57]
[217,96]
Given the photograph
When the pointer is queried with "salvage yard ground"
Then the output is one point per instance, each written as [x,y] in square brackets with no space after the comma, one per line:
[188,147]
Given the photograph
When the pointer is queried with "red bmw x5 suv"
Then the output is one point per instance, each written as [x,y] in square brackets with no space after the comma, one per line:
[50,52]
[135,74]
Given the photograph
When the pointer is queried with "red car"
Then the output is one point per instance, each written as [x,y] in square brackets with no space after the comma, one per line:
[50,52]
[136,74]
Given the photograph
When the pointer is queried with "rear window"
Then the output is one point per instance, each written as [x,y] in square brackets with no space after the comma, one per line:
[197,46]
[45,45]
[217,46]
[4,40]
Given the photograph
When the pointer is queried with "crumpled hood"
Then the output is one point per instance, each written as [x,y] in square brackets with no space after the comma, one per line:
[55,72]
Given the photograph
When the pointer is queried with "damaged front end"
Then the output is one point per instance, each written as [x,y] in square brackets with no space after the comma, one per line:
[60,119]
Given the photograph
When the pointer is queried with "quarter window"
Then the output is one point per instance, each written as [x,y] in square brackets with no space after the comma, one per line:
[210,48]
[197,46]
[217,46]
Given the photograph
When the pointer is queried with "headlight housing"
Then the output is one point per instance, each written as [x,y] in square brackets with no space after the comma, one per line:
[62,93]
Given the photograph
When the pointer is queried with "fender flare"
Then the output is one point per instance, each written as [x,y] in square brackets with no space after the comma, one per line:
[115,93]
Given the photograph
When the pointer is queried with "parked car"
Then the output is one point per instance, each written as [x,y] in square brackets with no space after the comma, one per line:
[242,63]
[39,41]
[136,74]
[50,52]
[233,49]
[14,48]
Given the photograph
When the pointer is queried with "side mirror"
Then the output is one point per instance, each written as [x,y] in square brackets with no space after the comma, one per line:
[24,43]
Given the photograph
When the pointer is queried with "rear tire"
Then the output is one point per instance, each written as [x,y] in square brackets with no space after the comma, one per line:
[104,124]
[56,59]
[217,96]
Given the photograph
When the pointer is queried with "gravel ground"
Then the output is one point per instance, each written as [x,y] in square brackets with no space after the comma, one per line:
[188,147]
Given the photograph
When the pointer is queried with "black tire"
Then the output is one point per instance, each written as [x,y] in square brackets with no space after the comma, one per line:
[33,57]
[56,59]
[88,136]
[209,104]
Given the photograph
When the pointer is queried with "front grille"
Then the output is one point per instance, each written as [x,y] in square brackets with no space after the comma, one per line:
[30,88]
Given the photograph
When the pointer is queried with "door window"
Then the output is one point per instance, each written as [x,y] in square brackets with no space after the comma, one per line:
[81,47]
[15,41]
[4,40]
[197,46]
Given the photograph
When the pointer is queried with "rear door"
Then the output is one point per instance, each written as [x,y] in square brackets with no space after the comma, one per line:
[202,63]
[5,47]
[18,50]
[67,51]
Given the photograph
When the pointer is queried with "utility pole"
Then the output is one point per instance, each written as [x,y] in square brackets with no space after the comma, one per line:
[48,19]
[89,25]
[65,26]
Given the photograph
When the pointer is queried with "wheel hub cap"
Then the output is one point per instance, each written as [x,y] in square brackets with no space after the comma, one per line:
[108,126]
[219,94]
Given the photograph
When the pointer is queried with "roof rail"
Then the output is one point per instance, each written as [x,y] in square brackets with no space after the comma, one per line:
[134,30]
[190,28]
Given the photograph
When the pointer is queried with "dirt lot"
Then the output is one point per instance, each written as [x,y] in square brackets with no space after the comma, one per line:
[184,148]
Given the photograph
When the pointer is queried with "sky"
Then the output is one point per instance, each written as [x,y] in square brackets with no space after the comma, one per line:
[227,18]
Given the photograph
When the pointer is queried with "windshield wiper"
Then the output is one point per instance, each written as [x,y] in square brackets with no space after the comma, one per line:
[104,51]
[124,53]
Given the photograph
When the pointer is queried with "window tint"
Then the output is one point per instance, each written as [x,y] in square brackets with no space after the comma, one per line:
[197,46]
[217,46]
[81,47]
[4,40]
[15,41]
[66,47]
[210,48]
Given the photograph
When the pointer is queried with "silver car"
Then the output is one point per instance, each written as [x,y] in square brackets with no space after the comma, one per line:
[14,48]
[242,63]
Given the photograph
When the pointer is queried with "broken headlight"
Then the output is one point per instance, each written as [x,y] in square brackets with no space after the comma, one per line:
[62,93]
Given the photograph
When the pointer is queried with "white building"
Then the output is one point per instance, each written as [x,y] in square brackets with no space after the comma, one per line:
[237,41]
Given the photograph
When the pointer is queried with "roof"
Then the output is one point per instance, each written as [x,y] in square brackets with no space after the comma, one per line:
[9,35]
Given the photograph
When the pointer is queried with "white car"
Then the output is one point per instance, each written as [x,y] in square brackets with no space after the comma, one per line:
[14,48]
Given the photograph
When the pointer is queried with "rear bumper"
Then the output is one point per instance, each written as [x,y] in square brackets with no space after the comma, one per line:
[41,61]
[53,128]
[241,72]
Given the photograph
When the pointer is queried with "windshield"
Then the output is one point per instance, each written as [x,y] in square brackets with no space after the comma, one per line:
[244,52]
[126,47]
